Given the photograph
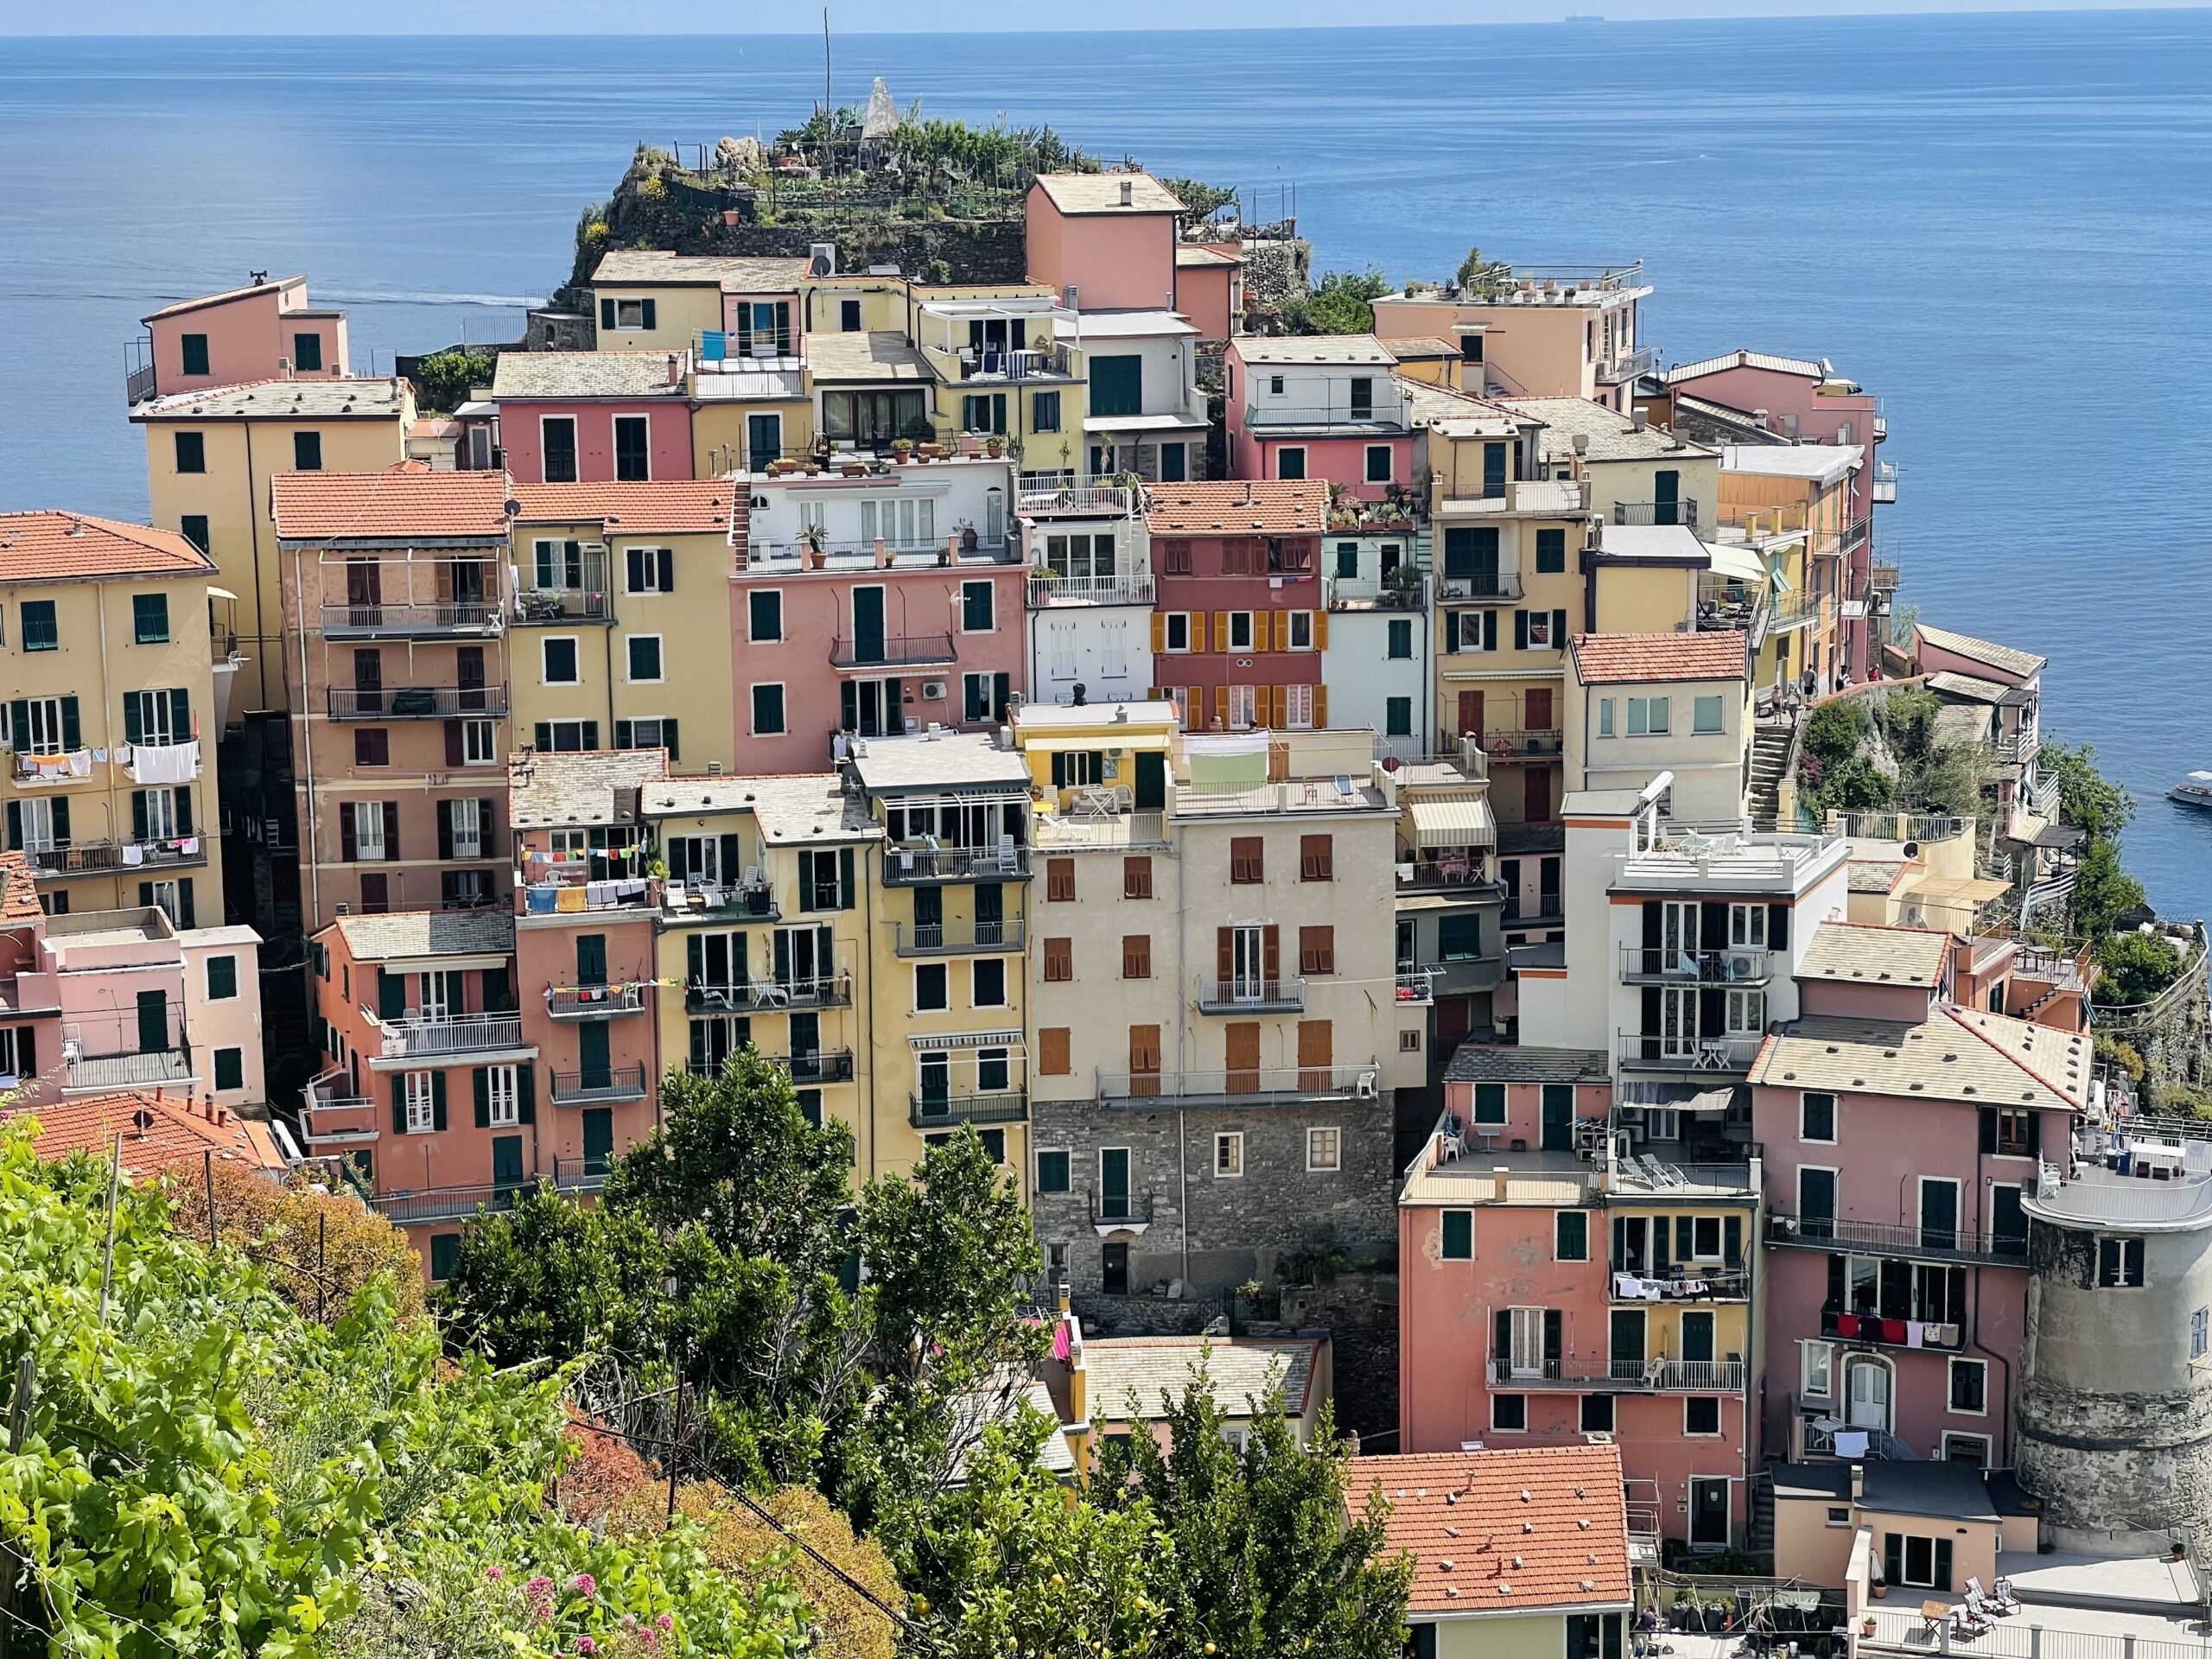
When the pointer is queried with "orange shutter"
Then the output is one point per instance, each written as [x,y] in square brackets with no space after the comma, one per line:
[1159,633]
[1221,707]
[1321,708]
[1241,1044]
[1225,960]
[1316,1052]
[1320,630]
[1221,629]
[1052,1051]
[1283,630]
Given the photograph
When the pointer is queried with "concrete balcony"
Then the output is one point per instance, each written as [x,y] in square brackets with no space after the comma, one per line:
[976,939]
[1489,588]
[1656,1376]
[1045,495]
[1685,1281]
[1627,366]
[1875,1332]
[417,702]
[803,991]
[889,651]
[1682,512]
[471,619]
[1237,996]
[1722,1055]
[1528,745]
[1838,1234]
[1051,362]
[1287,1085]
[1886,480]
[334,1120]
[158,1068]
[448,1041]
[1047,592]
[613,1085]
[1007,1106]
[431,1205]
[910,867]
[593,1001]
[114,857]
[1735,965]
[1120,1212]
[1464,877]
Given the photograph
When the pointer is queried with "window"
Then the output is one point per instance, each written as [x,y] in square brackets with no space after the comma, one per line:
[230,1068]
[371,844]
[1378,463]
[849,316]
[1325,1151]
[421,1097]
[1817,1368]
[649,569]
[307,452]
[1274,385]
[2015,1135]
[1546,630]
[1817,1118]
[764,614]
[1596,1417]
[1301,630]
[1240,631]
[1059,881]
[2200,1332]
[480,744]
[1459,937]
[557,662]
[1175,635]
[40,633]
[633,447]
[1044,412]
[1247,860]
[222,978]
[1136,877]
[767,710]
[1243,707]
[1571,1235]
[1290,461]
[645,659]
[195,348]
[1508,1412]
[1705,716]
[1456,1234]
[978,614]
[371,746]
[1923,1563]
[1839,1515]
[307,353]
[558,442]
[1700,1415]
[1647,716]
[1052,1170]
[1551,552]
[1970,1386]
[1317,951]
[1604,716]
[1971,1450]
[192,526]
[1059,961]
[1316,858]
[1747,925]
[1136,955]
[1490,1102]
[2120,1263]
[1397,717]
[930,994]
[988,983]
[1228,1155]
[150,618]
[502,1097]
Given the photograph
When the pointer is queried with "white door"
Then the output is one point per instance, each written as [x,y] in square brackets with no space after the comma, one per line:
[1527,1342]
[440,994]
[1678,1023]
[1868,1384]
[1248,962]
[1678,935]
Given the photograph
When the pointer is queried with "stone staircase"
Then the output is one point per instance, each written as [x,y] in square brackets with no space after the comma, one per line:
[1760,1542]
[1770,766]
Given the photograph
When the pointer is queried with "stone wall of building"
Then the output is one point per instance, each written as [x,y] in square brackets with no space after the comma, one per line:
[1360,1312]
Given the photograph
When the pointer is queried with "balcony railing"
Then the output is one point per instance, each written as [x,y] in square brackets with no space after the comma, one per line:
[474,619]
[463,1033]
[1030,363]
[1465,874]
[585,1174]
[549,607]
[1659,1375]
[593,1001]
[1735,965]
[1525,743]
[1007,1106]
[1882,578]
[1257,1086]
[1355,594]
[816,1065]
[893,651]
[1111,1210]
[2019,747]
[150,1068]
[1835,1234]
[1627,366]
[582,896]
[1683,512]
[437,1203]
[907,866]
[106,857]
[1416,985]
[1040,498]
[1943,1336]
[1489,587]
[975,939]
[803,991]
[417,702]
[342,1119]
[1044,592]
[1886,480]
[1234,996]
[601,1088]
[1652,1052]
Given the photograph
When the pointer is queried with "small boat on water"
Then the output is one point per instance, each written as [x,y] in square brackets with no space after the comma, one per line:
[2196,790]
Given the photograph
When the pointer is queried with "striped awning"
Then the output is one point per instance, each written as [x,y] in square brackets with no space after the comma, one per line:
[967,1039]
[1462,823]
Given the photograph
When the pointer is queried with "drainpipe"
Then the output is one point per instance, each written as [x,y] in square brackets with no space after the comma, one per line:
[260,620]
[1182,1143]
[114,828]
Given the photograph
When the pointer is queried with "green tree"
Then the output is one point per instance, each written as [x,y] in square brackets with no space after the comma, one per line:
[1835,730]
[1270,1559]
[2136,966]
[1479,276]
[549,1278]
[1343,303]
[1202,199]
[447,377]
[2103,890]
[2087,799]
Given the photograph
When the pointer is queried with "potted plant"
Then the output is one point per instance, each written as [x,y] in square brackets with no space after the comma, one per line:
[995,445]
[968,537]
[812,541]
[903,448]
[930,451]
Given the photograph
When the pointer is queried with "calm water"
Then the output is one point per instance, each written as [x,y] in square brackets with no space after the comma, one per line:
[2003,224]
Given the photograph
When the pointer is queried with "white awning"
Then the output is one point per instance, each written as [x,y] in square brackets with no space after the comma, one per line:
[1730,560]
[1143,423]
[1453,823]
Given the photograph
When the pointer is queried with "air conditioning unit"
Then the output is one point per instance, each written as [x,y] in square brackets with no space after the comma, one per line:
[933,690]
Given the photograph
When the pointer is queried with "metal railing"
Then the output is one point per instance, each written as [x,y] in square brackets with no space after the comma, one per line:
[1682,512]
[1907,1238]
[977,938]
[1734,965]
[1235,996]
[904,866]
[1899,826]
[1491,585]
[1253,1086]
[341,1119]
[1024,363]
[417,702]
[104,857]
[1045,591]
[892,651]
[1041,496]
[1652,1051]
[1882,578]
[2018,746]
[541,607]
[470,619]
[585,1174]
[1356,593]
[813,1065]
[600,1088]
[1416,984]
[1526,743]
[449,1203]
[593,1001]
[1627,366]
[1659,1374]
[1456,874]
[1120,1209]
[152,1067]
[461,1034]
[1945,1336]
[833,990]
[1007,1106]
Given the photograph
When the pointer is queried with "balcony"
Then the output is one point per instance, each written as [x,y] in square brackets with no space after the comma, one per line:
[2017,748]
[474,619]
[1286,1085]
[1651,1052]
[1051,362]
[1682,512]
[696,900]
[137,383]
[593,1001]
[163,763]
[892,651]
[1656,1376]
[771,557]
[542,608]
[574,894]
[1234,996]
[1886,480]
[1734,966]
[1881,578]
[812,1066]
[1005,1106]
[56,770]
[331,1119]
[585,1174]
[1525,744]
[907,867]
[1684,1282]
[1406,592]
[415,1038]
[976,939]
[1627,366]
[803,991]
[1045,495]
[1110,830]
[110,857]
[417,702]
[601,1088]
[1548,498]
[1488,588]
[1878,1332]
[1463,875]
[146,1069]
[1047,591]
[1119,1211]
[1835,1234]
[1416,987]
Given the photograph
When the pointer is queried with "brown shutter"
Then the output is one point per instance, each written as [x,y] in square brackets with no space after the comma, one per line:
[1283,630]
[1052,1051]
[1316,1052]
[1316,858]
[1059,880]
[1060,959]
[1243,1047]
[1136,955]
[1224,953]
[1136,877]
[1144,1060]
[392,830]
[1221,638]
[1271,952]
[1321,708]
[1317,949]
[346,848]
[1221,708]
[1320,630]
[1159,633]
[1247,859]
[453,743]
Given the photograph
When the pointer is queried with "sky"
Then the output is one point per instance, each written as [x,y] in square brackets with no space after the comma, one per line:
[1001,17]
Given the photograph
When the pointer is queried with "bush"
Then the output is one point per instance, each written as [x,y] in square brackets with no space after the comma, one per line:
[1341,303]
[1836,730]
[318,1248]
[2136,967]
[447,377]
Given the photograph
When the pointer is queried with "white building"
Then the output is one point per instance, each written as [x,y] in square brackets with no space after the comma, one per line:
[1146,415]
[1089,550]
[910,506]
[1376,653]
[1641,705]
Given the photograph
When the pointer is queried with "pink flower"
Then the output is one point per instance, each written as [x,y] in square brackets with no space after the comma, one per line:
[585,1644]
[650,1639]
[585,1585]
[666,1622]
[495,1572]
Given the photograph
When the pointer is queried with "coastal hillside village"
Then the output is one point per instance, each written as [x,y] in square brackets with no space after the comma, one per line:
[1370,874]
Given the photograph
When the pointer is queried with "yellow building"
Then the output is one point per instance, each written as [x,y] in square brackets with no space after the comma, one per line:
[619,628]
[1008,360]
[1790,504]
[209,458]
[766,937]
[112,713]
[648,299]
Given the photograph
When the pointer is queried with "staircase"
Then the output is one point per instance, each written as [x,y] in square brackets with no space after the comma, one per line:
[1769,765]
[1761,1541]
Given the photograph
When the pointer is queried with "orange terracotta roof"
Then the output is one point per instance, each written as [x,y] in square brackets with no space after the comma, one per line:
[396,503]
[172,1132]
[55,546]
[18,893]
[1239,507]
[1606,658]
[1493,1532]
[672,507]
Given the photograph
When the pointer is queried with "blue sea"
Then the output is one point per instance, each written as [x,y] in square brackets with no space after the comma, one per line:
[2000,224]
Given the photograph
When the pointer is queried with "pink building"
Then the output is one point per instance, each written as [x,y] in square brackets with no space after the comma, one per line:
[1210,287]
[1110,237]
[1320,406]
[30,1001]
[875,605]
[1552,1287]
[590,418]
[264,331]
[1902,1134]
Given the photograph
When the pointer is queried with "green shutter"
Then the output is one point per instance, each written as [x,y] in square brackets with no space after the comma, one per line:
[606,313]
[526,1094]
[668,739]
[62,819]
[622,734]
[845,898]
[1520,630]
[591,735]
[180,716]
[184,811]
[1489,629]
[648,307]
[138,814]
[545,737]
[72,733]
[1558,630]
[437,1100]
[391,995]
[481,1077]
[134,725]
[399,1102]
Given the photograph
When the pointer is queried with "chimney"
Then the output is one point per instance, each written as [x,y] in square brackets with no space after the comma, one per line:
[1643,419]
[1858,1482]
[675,369]
[1129,193]
[1501,1178]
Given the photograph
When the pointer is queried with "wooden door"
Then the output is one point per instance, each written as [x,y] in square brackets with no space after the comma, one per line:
[1470,714]
[1539,703]
[1536,794]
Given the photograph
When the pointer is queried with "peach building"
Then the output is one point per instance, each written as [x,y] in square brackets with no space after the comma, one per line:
[1210,287]
[1543,332]
[1109,236]
[1323,406]
[397,669]
[31,1001]
[264,331]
